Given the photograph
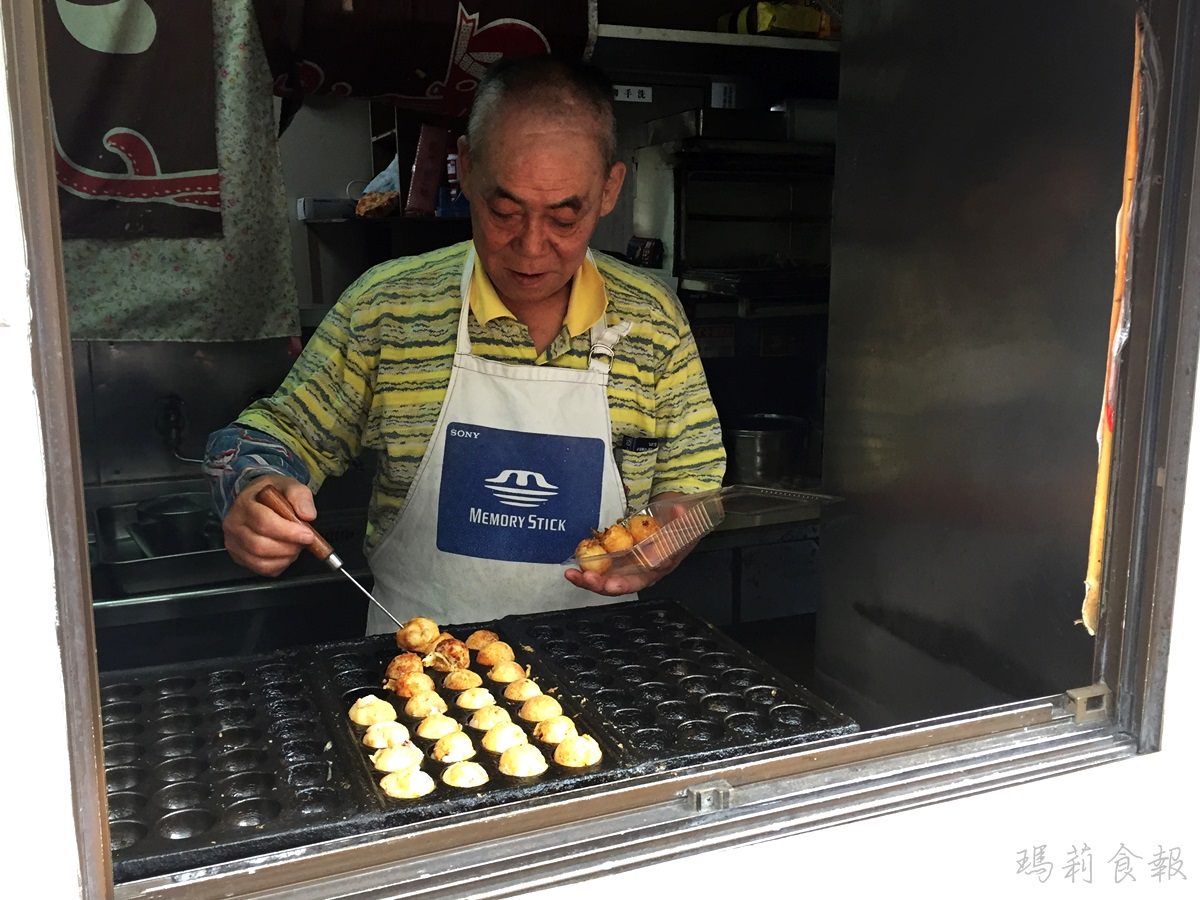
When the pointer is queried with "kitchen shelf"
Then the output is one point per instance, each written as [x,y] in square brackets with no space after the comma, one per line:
[795,66]
[729,217]
[714,38]
[755,309]
[447,223]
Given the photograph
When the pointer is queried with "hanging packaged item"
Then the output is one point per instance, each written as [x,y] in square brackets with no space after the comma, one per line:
[428,171]
[803,18]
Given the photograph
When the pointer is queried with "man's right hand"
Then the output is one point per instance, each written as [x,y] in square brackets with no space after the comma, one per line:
[260,539]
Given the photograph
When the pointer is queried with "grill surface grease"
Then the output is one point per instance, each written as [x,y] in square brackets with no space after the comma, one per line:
[217,761]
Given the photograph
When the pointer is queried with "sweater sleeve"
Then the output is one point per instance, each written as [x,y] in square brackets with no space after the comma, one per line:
[321,409]
[236,455]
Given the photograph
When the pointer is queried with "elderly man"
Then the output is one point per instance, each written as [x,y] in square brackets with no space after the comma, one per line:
[519,389]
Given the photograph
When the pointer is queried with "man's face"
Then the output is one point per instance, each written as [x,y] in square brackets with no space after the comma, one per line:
[537,190]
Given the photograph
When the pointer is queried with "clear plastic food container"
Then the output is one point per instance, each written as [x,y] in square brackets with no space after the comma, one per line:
[676,525]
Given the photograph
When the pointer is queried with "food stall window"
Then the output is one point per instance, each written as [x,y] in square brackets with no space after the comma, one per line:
[755,792]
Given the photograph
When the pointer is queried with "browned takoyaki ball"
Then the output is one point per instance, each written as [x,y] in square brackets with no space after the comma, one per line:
[481,638]
[495,652]
[578,751]
[417,633]
[408,685]
[538,708]
[448,655]
[507,672]
[521,689]
[403,664]
[461,680]
[441,636]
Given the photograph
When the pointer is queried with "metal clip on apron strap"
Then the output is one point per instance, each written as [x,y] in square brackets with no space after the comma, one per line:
[600,357]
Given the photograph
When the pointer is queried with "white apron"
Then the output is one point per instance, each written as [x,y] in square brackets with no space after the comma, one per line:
[518,470]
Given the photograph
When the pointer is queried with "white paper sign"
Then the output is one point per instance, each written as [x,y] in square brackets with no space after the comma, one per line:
[633,93]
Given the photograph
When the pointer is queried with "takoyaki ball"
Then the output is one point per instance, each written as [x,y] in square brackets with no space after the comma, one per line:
[501,737]
[592,557]
[404,664]
[454,747]
[481,638]
[578,751]
[437,726]
[642,526]
[370,710]
[489,717]
[397,759]
[522,689]
[523,761]
[424,704]
[554,730]
[408,784]
[616,539]
[438,638]
[410,685]
[475,698]
[543,706]
[417,633]
[495,652]
[385,734]
[465,775]
[449,654]
[507,672]
[461,680]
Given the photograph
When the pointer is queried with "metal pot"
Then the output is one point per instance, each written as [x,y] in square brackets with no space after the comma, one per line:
[174,523]
[765,448]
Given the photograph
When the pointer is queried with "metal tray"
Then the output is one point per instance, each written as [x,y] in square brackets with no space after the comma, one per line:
[226,759]
[124,551]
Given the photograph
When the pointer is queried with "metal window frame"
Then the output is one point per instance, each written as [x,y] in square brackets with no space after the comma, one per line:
[753,798]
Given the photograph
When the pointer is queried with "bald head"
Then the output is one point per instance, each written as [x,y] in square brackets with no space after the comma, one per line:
[558,91]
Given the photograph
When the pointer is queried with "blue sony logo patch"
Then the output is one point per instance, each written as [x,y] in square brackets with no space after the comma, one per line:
[517,496]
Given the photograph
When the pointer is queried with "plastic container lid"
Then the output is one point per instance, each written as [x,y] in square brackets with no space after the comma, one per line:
[683,521]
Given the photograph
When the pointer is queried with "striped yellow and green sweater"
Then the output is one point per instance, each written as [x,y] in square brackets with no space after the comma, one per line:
[375,373]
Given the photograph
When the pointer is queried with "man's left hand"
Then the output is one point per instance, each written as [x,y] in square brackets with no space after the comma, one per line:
[619,585]
[629,582]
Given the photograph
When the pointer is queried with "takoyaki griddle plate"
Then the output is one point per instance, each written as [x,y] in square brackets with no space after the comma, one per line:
[671,689]
[224,759]
[218,760]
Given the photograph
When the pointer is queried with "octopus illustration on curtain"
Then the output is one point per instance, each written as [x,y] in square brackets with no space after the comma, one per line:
[472,51]
[426,55]
[132,88]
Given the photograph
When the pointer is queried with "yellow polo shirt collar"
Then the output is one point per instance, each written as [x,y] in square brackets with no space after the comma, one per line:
[584,307]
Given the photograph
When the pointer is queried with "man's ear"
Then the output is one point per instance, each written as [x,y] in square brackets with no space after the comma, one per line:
[464,163]
[612,187]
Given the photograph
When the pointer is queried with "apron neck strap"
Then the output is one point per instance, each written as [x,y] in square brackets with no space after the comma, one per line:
[604,337]
[463,346]
[604,342]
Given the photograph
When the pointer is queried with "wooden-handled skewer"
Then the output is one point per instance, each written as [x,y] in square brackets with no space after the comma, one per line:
[320,548]
[272,498]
